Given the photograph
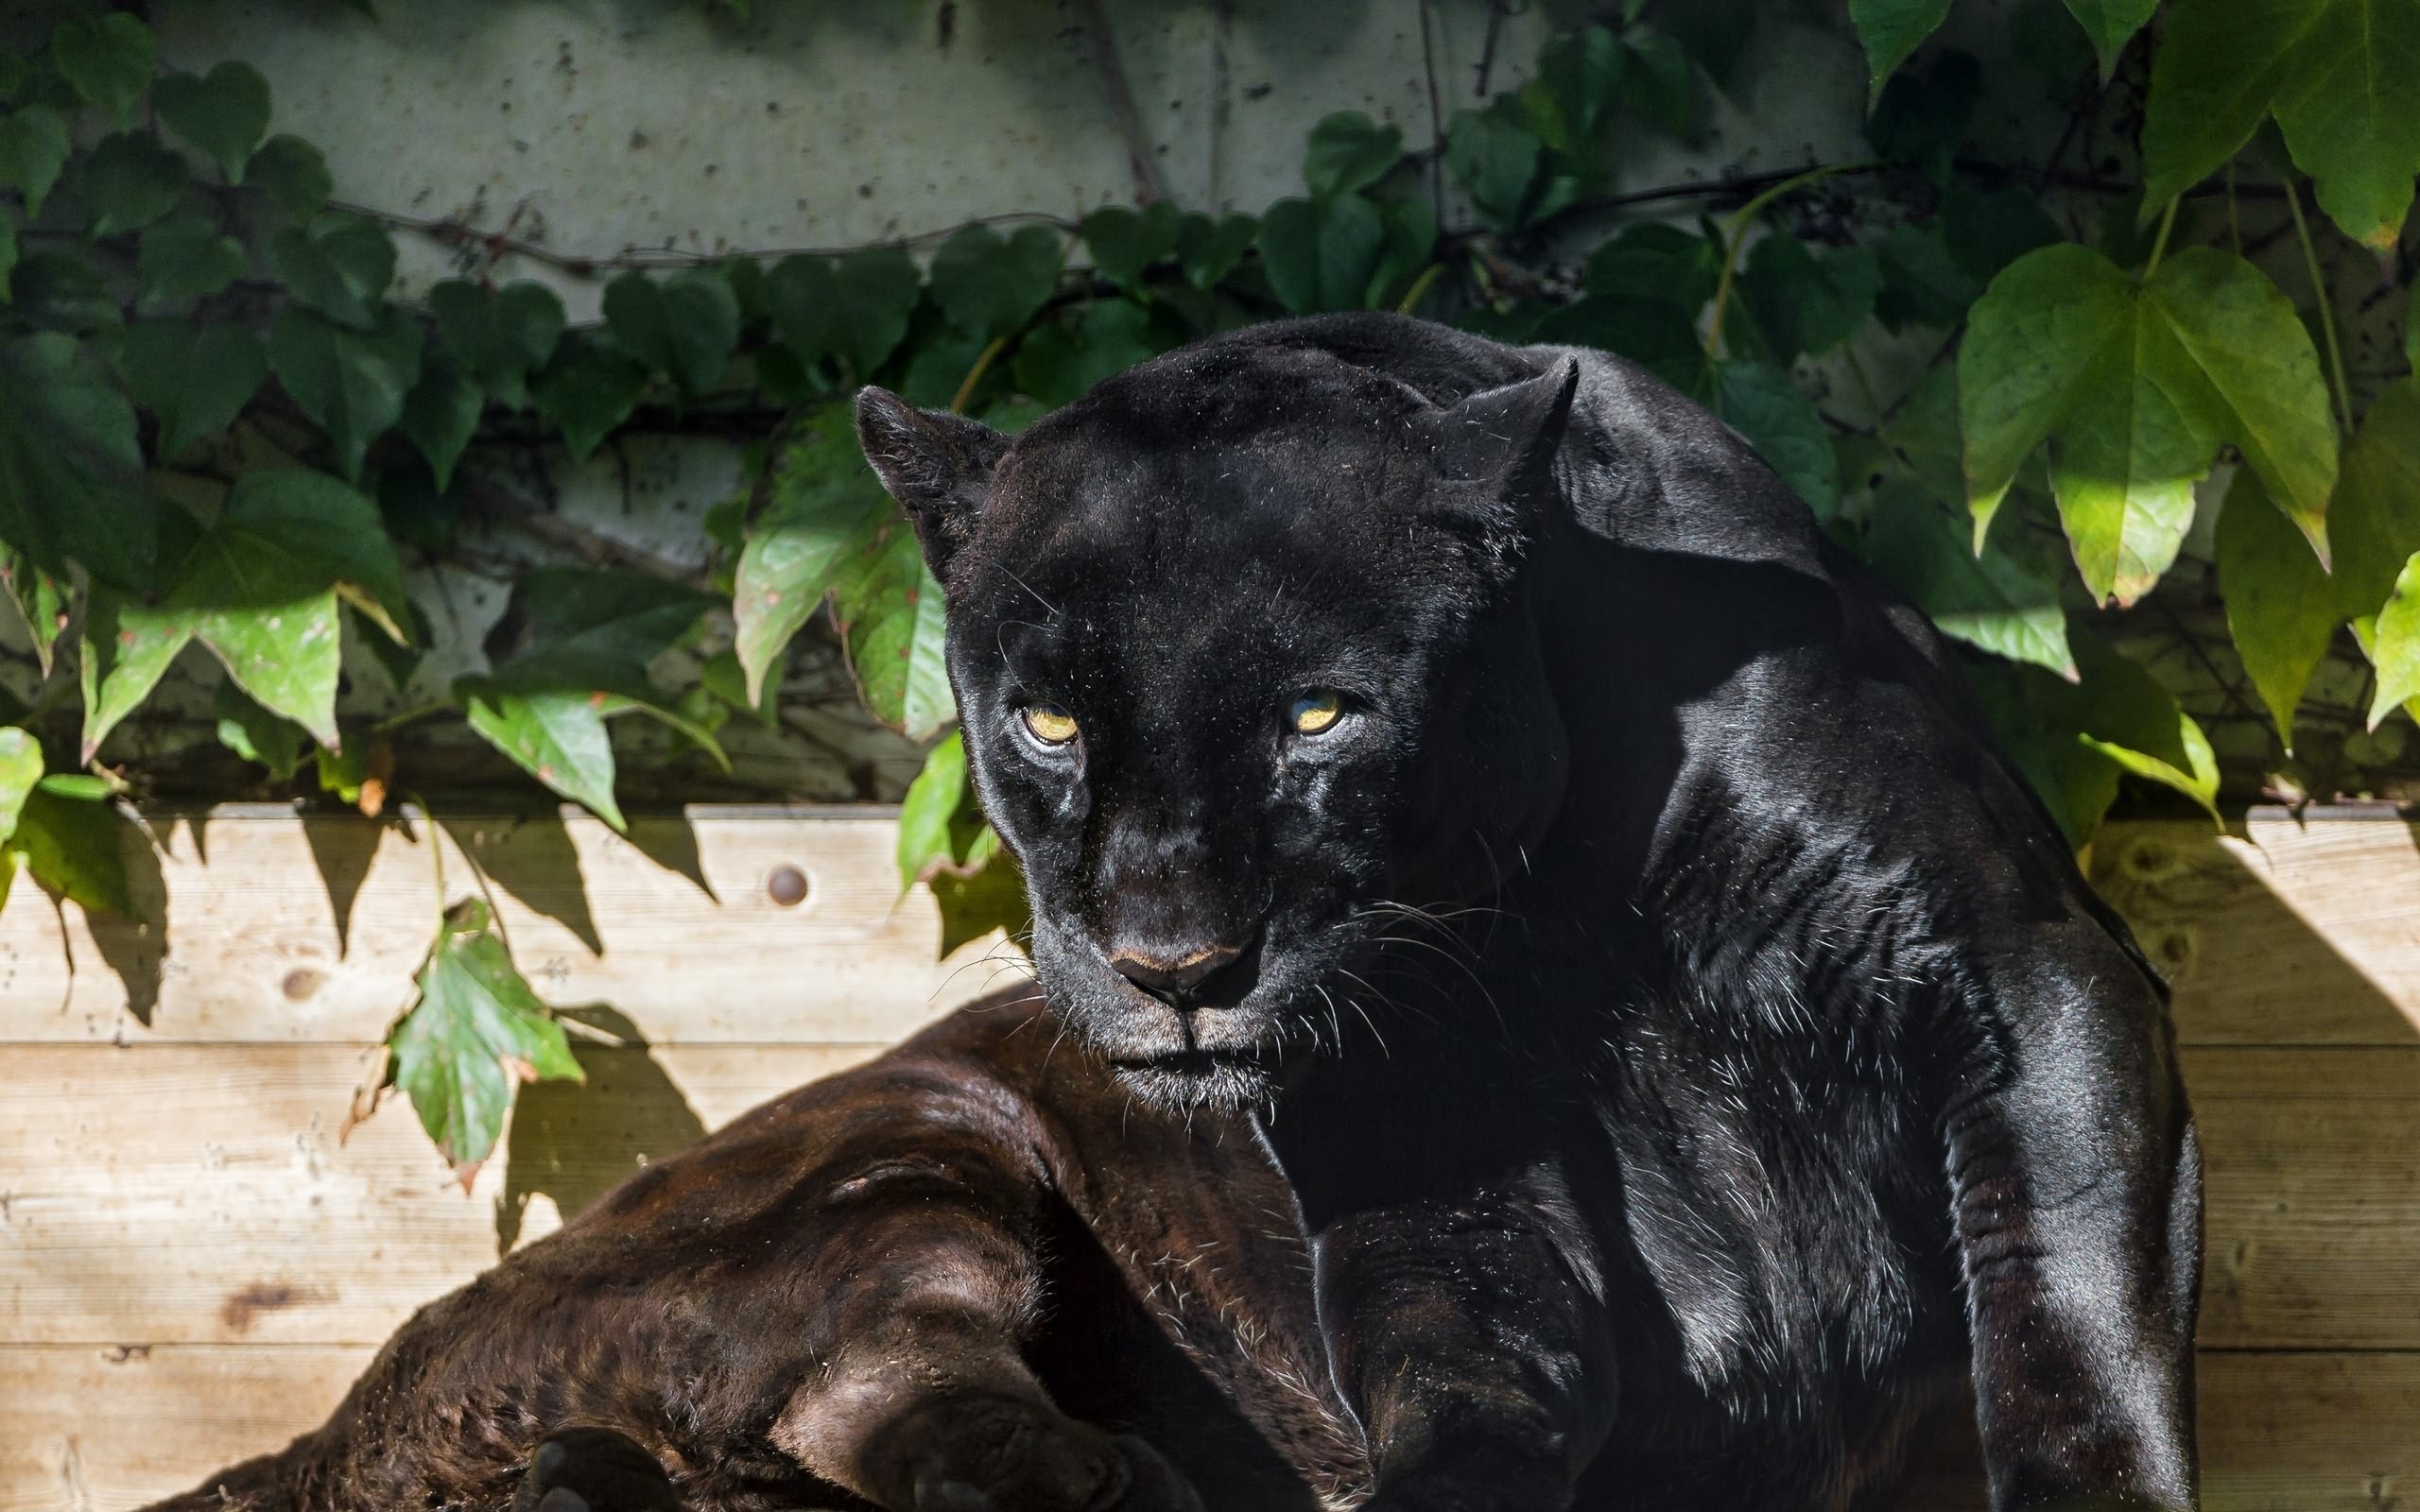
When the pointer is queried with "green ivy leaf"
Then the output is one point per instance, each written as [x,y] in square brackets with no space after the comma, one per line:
[1810,303]
[59,291]
[2281,609]
[225,114]
[1320,254]
[586,390]
[589,628]
[184,258]
[441,413]
[2036,717]
[340,265]
[852,308]
[71,847]
[351,383]
[130,180]
[260,590]
[257,735]
[1495,161]
[2112,24]
[293,174]
[108,59]
[70,471]
[825,507]
[1411,235]
[572,650]
[2343,77]
[1890,31]
[1777,417]
[1922,281]
[684,326]
[1060,360]
[2374,519]
[558,737]
[926,813]
[1208,249]
[891,615]
[21,768]
[2394,645]
[1986,233]
[1992,602]
[1579,78]
[500,334]
[33,152]
[39,598]
[475,1033]
[2137,387]
[7,257]
[1660,81]
[1124,242]
[989,285]
[1349,151]
[723,676]
[1659,262]
[2129,717]
[194,378]
[122,650]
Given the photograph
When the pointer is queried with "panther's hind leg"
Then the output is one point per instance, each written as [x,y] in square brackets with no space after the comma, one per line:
[594,1470]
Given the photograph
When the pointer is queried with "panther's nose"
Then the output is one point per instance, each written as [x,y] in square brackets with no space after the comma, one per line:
[1172,975]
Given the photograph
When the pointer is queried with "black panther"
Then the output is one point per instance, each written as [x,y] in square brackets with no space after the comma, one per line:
[1550,997]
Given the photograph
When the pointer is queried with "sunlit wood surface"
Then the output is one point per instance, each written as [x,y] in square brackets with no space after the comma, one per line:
[193,1266]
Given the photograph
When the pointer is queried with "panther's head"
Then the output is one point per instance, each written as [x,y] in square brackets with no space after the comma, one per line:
[1248,675]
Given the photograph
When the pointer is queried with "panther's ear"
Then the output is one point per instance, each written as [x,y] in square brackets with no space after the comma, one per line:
[1502,437]
[936,464]
[1494,453]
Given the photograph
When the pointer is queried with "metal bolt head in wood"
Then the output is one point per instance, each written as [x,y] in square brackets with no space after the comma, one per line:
[787,886]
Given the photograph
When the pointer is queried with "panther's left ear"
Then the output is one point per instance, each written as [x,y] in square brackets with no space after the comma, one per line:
[936,464]
[1494,452]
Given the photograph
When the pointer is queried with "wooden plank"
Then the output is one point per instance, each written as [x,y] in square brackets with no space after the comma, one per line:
[91,1430]
[197,1194]
[2311,1197]
[2280,1433]
[271,927]
[181,1193]
[2294,933]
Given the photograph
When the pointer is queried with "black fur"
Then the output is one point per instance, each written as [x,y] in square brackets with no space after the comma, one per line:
[1686,1034]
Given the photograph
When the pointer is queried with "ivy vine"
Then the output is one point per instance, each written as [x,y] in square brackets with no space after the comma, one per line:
[221,428]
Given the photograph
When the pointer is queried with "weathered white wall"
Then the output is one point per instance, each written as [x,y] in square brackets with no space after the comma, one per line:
[615,124]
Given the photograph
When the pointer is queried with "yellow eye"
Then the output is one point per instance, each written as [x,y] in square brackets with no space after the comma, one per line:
[1049,724]
[1314,713]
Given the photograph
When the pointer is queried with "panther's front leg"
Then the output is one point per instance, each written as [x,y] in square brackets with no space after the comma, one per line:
[2077,1189]
[1462,1305]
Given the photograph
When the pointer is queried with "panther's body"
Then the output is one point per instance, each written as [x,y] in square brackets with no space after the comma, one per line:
[1633,1041]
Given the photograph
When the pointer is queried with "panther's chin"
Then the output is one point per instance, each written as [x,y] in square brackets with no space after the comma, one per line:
[1190,1081]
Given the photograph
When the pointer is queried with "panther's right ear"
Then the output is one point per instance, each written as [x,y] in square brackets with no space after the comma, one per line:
[936,464]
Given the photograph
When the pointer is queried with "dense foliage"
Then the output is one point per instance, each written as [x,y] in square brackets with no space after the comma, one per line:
[217,426]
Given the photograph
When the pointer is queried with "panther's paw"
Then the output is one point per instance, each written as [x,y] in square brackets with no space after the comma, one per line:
[985,1454]
[594,1470]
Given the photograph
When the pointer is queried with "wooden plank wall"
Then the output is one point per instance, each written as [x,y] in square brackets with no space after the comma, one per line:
[193,1265]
